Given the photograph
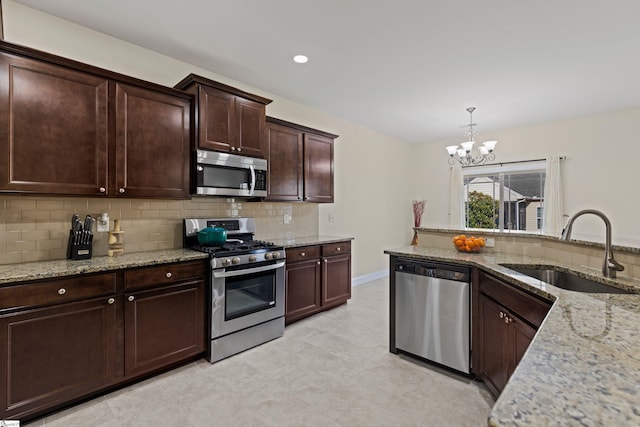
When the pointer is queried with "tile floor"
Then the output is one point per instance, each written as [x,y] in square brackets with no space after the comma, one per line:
[333,369]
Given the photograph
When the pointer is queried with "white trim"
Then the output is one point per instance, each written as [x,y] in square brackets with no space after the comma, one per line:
[369,277]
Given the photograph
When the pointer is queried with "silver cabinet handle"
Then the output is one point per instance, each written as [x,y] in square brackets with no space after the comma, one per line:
[199,168]
[325,261]
[318,262]
[62,291]
[303,254]
[121,191]
[338,249]
[131,298]
[233,148]
[103,190]
[169,275]
[501,315]
[111,300]
[239,149]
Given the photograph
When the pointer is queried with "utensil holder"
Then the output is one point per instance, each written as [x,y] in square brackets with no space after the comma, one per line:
[77,250]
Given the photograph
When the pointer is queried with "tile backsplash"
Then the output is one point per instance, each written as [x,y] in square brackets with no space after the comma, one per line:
[37,228]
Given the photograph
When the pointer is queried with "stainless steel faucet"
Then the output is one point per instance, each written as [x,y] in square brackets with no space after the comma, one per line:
[610,265]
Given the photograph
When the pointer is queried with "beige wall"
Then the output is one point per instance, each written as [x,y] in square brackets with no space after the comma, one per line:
[372,170]
[600,171]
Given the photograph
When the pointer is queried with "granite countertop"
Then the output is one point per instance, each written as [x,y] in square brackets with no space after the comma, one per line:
[297,241]
[50,269]
[583,366]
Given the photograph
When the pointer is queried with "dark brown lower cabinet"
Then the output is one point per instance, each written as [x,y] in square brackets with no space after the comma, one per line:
[70,338]
[163,326]
[53,355]
[318,278]
[508,319]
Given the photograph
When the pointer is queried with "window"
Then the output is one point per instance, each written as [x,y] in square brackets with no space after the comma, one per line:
[504,197]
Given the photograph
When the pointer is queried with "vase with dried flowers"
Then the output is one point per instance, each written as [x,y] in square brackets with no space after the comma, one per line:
[418,210]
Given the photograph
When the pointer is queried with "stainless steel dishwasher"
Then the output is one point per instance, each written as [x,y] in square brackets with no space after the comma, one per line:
[432,312]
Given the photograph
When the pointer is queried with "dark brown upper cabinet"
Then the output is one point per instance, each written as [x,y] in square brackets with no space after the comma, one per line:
[300,163]
[67,128]
[225,118]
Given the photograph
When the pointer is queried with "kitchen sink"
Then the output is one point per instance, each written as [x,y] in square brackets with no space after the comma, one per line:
[566,280]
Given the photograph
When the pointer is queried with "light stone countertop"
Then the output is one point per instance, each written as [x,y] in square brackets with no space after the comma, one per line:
[298,241]
[583,366]
[10,273]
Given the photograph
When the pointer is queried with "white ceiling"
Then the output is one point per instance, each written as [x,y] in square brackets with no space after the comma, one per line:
[408,68]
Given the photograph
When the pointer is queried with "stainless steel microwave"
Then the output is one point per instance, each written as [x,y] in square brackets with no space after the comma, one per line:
[222,174]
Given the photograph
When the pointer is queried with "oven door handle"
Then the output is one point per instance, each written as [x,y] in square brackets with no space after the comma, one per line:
[248,270]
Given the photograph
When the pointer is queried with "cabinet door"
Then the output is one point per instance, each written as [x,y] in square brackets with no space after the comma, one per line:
[336,280]
[163,326]
[522,335]
[152,144]
[318,168]
[51,355]
[249,121]
[53,129]
[494,343]
[216,119]
[284,148]
[303,296]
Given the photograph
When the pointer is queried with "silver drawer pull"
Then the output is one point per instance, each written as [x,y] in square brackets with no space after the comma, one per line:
[131,298]
[169,275]
[338,249]
[62,291]
[303,254]
[111,300]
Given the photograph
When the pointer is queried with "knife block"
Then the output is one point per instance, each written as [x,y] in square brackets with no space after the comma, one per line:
[76,250]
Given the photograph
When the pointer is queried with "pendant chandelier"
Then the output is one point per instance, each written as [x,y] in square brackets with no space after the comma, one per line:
[466,153]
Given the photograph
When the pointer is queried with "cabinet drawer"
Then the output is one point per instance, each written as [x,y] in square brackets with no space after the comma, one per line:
[336,248]
[163,274]
[519,302]
[57,291]
[303,254]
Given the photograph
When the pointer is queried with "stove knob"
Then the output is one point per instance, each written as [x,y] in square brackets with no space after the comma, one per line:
[235,260]
[275,255]
[225,262]
[268,255]
[252,258]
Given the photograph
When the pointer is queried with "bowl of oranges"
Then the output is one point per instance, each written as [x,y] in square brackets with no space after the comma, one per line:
[468,244]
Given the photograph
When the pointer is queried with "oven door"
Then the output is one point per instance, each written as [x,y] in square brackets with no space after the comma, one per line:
[242,297]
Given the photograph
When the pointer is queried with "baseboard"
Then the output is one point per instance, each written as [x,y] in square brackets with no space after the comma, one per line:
[369,277]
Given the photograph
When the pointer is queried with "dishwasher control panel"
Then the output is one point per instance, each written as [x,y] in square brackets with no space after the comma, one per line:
[440,271]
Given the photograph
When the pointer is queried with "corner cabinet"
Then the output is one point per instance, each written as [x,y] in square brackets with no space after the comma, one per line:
[300,163]
[226,119]
[67,339]
[73,129]
[508,319]
[318,278]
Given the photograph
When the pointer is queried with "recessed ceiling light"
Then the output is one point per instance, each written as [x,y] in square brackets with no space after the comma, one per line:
[300,59]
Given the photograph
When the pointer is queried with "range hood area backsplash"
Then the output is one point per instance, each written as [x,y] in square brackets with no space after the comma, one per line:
[37,228]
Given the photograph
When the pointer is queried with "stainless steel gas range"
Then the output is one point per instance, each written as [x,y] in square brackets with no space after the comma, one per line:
[246,296]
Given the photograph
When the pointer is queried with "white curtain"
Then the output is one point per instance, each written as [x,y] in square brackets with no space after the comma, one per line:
[553,200]
[456,198]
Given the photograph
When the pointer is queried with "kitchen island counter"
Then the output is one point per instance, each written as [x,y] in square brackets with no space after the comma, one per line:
[583,366]
[10,273]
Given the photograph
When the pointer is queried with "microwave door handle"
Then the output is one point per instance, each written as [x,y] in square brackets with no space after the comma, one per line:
[247,270]
[253,179]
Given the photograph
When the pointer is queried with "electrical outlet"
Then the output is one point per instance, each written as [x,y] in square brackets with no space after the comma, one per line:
[102,224]
[332,217]
[490,242]
[286,219]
